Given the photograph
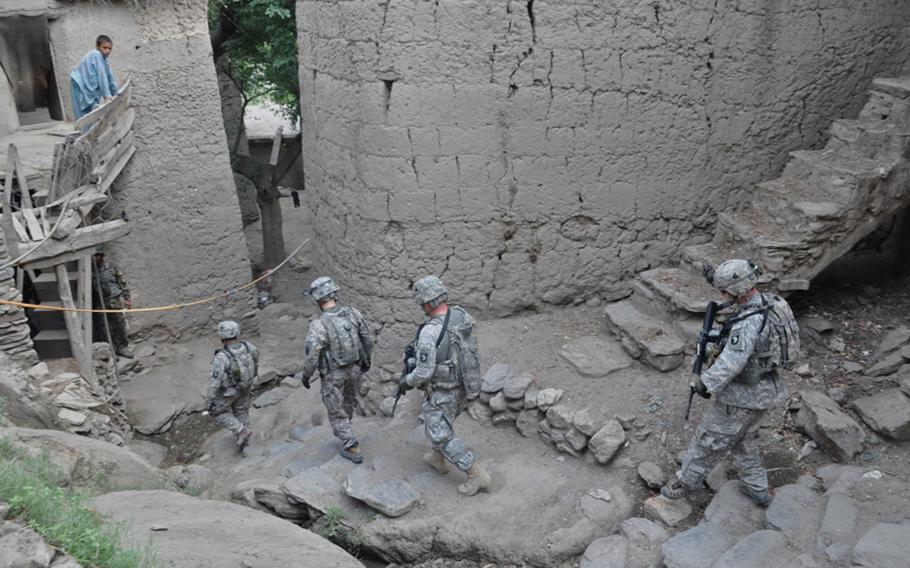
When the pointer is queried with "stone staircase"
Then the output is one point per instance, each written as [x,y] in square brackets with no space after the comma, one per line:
[824,202]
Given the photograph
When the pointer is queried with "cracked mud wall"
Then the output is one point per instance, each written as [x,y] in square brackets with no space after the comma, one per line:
[543,151]
[186,239]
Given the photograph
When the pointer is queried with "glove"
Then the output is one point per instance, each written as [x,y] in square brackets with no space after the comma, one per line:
[365,364]
[303,379]
[700,389]
[403,387]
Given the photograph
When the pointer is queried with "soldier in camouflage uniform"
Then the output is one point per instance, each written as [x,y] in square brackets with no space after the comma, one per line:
[230,391]
[114,295]
[339,346]
[745,383]
[445,394]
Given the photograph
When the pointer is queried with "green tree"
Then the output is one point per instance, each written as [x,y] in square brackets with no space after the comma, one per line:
[259,40]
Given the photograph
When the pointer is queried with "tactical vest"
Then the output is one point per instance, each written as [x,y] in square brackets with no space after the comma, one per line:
[243,369]
[344,347]
[777,345]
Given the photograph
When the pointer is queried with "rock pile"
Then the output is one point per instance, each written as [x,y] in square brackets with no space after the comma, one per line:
[21,546]
[88,410]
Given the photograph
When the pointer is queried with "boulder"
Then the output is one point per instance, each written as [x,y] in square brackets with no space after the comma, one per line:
[391,497]
[23,547]
[571,541]
[607,441]
[560,416]
[498,403]
[606,507]
[736,512]
[273,498]
[758,550]
[697,547]
[797,512]
[150,451]
[887,365]
[586,422]
[193,478]
[86,462]
[314,488]
[595,356]
[905,385]
[514,387]
[643,531]
[822,419]
[670,512]
[530,399]
[607,552]
[215,534]
[892,342]
[526,422]
[884,546]
[548,397]
[479,411]
[837,527]
[272,396]
[505,418]
[887,412]
[651,474]
[494,378]
[576,439]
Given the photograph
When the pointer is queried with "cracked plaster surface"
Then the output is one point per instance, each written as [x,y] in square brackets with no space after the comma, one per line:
[543,151]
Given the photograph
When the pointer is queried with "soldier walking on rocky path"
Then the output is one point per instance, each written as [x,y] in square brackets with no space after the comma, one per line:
[230,391]
[447,367]
[758,339]
[338,345]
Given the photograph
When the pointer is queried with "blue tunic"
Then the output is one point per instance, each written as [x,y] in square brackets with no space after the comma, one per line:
[91,81]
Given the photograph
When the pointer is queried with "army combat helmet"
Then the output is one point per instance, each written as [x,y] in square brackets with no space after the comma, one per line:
[430,290]
[323,288]
[228,329]
[736,277]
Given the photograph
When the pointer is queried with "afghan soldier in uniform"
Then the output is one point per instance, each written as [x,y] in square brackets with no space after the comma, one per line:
[436,371]
[338,345]
[744,382]
[114,295]
[230,392]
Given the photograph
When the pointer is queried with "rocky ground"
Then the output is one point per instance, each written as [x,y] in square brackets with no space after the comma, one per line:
[583,491]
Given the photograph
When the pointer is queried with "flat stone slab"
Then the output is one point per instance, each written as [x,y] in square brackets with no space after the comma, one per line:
[797,511]
[732,509]
[391,497]
[607,552]
[654,339]
[837,434]
[884,546]
[760,549]
[312,487]
[594,356]
[682,288]
[670,512]
[515,386]
[651,474]
[887,412]
[892,342]
[697,547]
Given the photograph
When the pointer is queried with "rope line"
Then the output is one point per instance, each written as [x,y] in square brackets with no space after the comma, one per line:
[226,294]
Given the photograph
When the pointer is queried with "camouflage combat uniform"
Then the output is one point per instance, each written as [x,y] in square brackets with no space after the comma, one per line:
[339,382]
[436,373]
[114,295]
[230,390]
[745,384]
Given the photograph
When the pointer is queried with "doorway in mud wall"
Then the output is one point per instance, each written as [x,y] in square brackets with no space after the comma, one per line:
[27,80]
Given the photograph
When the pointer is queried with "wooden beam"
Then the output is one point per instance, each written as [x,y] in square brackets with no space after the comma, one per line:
[21,235]
[26,201]
[122,99]
[9,230]
[276,146]
[85,291]
[34,227]
[102,167]
[105,183]
[73,326]
[82,238]
[108,137]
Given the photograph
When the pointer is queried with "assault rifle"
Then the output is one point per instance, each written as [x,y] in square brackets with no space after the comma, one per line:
[408,364]
[701,352]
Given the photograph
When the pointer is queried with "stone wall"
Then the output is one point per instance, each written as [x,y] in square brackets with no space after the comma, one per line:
[546,151]
[186,239]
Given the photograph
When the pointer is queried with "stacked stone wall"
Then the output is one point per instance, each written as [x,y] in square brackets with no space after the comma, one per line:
[546,151]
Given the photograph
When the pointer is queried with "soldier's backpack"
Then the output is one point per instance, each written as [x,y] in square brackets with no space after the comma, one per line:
[344,341]
[241,373]
[784,331]
[463,348]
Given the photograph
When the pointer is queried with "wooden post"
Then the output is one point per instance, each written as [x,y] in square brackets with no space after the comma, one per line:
[276,146]
[85,290]
[73,326]
[9,232]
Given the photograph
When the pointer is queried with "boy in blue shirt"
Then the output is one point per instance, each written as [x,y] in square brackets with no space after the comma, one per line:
[92,81]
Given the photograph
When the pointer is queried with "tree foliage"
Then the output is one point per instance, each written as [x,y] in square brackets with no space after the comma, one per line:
[260,38]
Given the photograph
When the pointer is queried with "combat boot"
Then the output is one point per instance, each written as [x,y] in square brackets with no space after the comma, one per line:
[352,453]
[674,489]
[125,352]
[243,438]
[478,479]
[761,498]
[437,461]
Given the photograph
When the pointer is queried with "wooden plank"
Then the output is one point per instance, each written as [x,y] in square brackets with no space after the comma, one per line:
[109,136]
[85,291]
[105,183]
[73,326]
[82,238]
[102,165]
[276,146]
[34,227]
[19,228]
[26,201]
[9,231]
[53,261]
[121,100]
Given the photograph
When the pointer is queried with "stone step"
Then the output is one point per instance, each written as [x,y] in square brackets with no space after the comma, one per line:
[869,138]
[757,227]
[645,337]
[680,289]
[801,203]
[52,344]
[48,319]
[827,163]
[888,100]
